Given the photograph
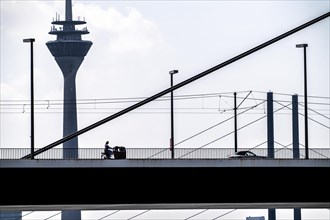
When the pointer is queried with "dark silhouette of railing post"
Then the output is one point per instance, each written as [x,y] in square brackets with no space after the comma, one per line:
[270,125]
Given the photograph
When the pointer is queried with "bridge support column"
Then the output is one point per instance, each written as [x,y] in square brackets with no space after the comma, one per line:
[297,214]
[71,214]
[295,141]
[270,140]
[295,127]
[270,125]
[271,214]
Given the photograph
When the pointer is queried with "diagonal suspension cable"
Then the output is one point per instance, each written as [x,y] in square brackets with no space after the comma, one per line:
[224,214]
[112,213]
[196,214]
[139,214]
[24,215]
[209,128]
[316,112]
[213,126]
[307,116]
[244,126]
[258,145]
[311,149]
[53,215]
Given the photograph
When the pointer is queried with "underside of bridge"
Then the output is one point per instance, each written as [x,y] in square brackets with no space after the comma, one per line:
[109,185]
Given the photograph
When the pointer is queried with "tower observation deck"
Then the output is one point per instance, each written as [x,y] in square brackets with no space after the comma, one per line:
[69,51]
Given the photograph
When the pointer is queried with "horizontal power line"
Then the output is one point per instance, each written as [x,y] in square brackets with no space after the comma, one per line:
[133,100]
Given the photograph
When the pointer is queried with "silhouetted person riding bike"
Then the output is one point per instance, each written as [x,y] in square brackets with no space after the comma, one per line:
[108,150]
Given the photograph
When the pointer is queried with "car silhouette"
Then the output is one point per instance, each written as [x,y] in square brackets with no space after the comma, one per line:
[245,154]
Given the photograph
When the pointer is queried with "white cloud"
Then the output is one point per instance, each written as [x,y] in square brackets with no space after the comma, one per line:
[129,32]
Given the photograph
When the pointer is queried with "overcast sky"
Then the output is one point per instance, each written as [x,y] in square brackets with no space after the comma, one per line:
[137,43]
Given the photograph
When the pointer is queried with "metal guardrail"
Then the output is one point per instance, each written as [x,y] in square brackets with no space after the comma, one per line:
[164,153]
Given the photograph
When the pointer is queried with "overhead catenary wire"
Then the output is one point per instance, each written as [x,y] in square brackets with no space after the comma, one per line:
[136,99]
[199,95]
[148,112]
[95,109]
[287,94]
[9,104]
[104,110]
[79,103]
[92,100]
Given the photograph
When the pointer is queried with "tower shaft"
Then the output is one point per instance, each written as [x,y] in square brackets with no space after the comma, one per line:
[69,51]
[69,67]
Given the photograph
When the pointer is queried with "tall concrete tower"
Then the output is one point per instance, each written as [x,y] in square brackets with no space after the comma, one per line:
[69,51]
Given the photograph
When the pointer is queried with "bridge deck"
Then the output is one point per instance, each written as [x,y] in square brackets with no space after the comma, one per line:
[171,183]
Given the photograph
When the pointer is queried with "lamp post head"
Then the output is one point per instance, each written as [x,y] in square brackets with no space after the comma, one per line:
[174,72]
[301,45]
[28,40]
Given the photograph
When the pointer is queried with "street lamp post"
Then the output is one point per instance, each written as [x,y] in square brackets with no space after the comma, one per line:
[172,72]
[31,40]
[305,98]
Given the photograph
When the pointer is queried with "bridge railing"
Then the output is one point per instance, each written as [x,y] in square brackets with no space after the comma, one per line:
[164,153]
